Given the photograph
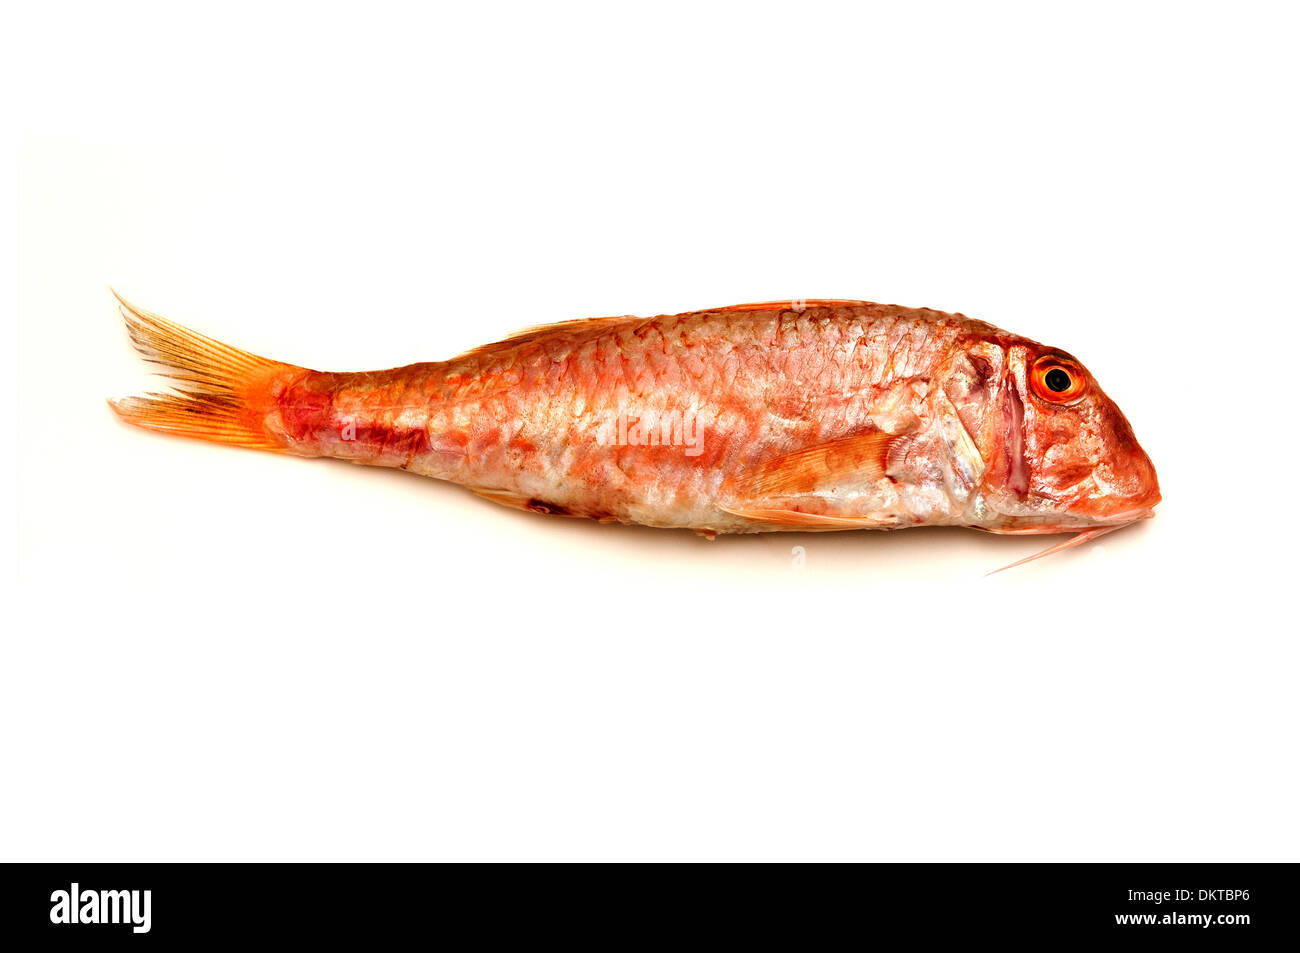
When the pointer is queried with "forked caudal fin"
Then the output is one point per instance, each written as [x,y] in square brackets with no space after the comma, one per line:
[222,394]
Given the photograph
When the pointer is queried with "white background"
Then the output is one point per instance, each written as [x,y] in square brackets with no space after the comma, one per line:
[215,654]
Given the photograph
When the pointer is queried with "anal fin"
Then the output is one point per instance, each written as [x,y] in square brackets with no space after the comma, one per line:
[518,501]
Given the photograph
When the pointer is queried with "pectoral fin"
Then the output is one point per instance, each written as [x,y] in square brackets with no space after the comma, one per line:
[770,492]
[861,458]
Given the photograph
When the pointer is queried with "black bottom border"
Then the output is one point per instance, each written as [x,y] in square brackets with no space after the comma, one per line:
[1229,904]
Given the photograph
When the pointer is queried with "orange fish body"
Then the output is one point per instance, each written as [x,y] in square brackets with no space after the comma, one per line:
[817,415]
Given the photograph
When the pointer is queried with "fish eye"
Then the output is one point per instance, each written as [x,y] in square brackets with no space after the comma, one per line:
[1057,379]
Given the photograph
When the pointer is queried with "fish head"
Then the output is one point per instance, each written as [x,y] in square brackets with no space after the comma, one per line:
[1059,454]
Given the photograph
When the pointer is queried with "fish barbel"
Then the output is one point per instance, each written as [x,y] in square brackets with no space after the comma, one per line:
[805,415]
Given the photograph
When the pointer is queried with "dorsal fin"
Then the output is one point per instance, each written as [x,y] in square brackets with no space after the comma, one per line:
[578,327]
[583,327]
[789,304]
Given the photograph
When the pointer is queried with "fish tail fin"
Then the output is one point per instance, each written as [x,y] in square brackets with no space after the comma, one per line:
[222,394]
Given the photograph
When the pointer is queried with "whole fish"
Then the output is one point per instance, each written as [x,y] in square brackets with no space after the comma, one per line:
[796,415]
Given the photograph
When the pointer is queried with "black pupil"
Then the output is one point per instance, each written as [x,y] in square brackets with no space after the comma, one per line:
[1057,380]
